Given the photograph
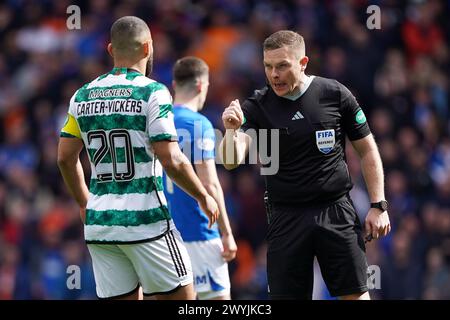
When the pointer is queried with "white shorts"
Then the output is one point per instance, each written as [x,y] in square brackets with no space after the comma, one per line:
[211,278]
[159,266]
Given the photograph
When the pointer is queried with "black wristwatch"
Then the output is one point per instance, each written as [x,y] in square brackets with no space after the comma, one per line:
[382,205]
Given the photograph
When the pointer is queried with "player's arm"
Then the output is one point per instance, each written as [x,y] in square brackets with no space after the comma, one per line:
[180,170]
[70,166]
[235,144]
[206,171]
[377,223]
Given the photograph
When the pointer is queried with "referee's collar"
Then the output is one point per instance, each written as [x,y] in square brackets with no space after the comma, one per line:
[294,97]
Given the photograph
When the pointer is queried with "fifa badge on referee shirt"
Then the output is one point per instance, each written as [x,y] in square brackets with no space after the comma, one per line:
[325,140]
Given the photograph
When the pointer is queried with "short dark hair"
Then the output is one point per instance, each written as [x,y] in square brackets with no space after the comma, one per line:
[188,69]
[127,35]
[283,38]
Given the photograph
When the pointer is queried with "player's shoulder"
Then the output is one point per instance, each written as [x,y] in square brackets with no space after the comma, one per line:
[185,114]
[152,84]
[201,117]
[82,93]
[157,91]
[204,120]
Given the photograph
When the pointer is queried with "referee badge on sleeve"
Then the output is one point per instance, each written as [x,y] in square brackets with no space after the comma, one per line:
[325,140]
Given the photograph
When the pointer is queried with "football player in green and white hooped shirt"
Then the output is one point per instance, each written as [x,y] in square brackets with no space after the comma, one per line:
[125,121]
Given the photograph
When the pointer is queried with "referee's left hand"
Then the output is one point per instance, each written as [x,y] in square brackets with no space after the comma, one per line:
[377,223]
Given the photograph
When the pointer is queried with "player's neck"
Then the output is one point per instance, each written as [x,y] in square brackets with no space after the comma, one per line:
[138,66]
[191,103]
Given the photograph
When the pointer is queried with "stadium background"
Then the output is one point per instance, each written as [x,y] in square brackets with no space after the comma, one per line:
[399,74]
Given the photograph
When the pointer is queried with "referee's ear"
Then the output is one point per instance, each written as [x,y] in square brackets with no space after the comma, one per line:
[304,62]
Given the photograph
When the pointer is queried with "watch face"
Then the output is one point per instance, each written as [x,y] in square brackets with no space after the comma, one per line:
[384,205]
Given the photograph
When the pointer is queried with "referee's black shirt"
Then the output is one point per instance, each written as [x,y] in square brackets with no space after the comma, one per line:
[312,168]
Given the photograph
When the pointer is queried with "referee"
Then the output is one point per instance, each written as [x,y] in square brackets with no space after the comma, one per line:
[309,209]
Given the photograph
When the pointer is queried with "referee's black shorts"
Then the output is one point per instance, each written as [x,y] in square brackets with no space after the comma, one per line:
[332,233]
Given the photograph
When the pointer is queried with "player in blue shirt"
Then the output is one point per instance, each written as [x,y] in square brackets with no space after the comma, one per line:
[210,249]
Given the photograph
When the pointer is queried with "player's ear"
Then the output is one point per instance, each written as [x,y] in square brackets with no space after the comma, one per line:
[198,85]
[146,48]
[174,84]
[110,50]
[304,62]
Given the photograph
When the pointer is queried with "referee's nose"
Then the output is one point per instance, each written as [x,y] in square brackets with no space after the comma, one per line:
[274,74]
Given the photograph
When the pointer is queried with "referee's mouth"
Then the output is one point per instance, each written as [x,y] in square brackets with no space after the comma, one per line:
[279,86]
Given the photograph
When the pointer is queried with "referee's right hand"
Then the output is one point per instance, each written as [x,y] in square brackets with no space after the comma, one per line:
[233,116]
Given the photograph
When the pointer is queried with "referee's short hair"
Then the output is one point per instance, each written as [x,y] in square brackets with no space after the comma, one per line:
[286,38]
[187,70]
[127,36]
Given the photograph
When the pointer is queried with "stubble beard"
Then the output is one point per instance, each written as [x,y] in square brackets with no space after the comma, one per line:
[149,65]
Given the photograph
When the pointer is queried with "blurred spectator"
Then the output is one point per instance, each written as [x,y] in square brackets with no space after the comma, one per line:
[381,125]
[421,33]
[392,78]
[437,278]
[14,276]
[17,151]
[399,274]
